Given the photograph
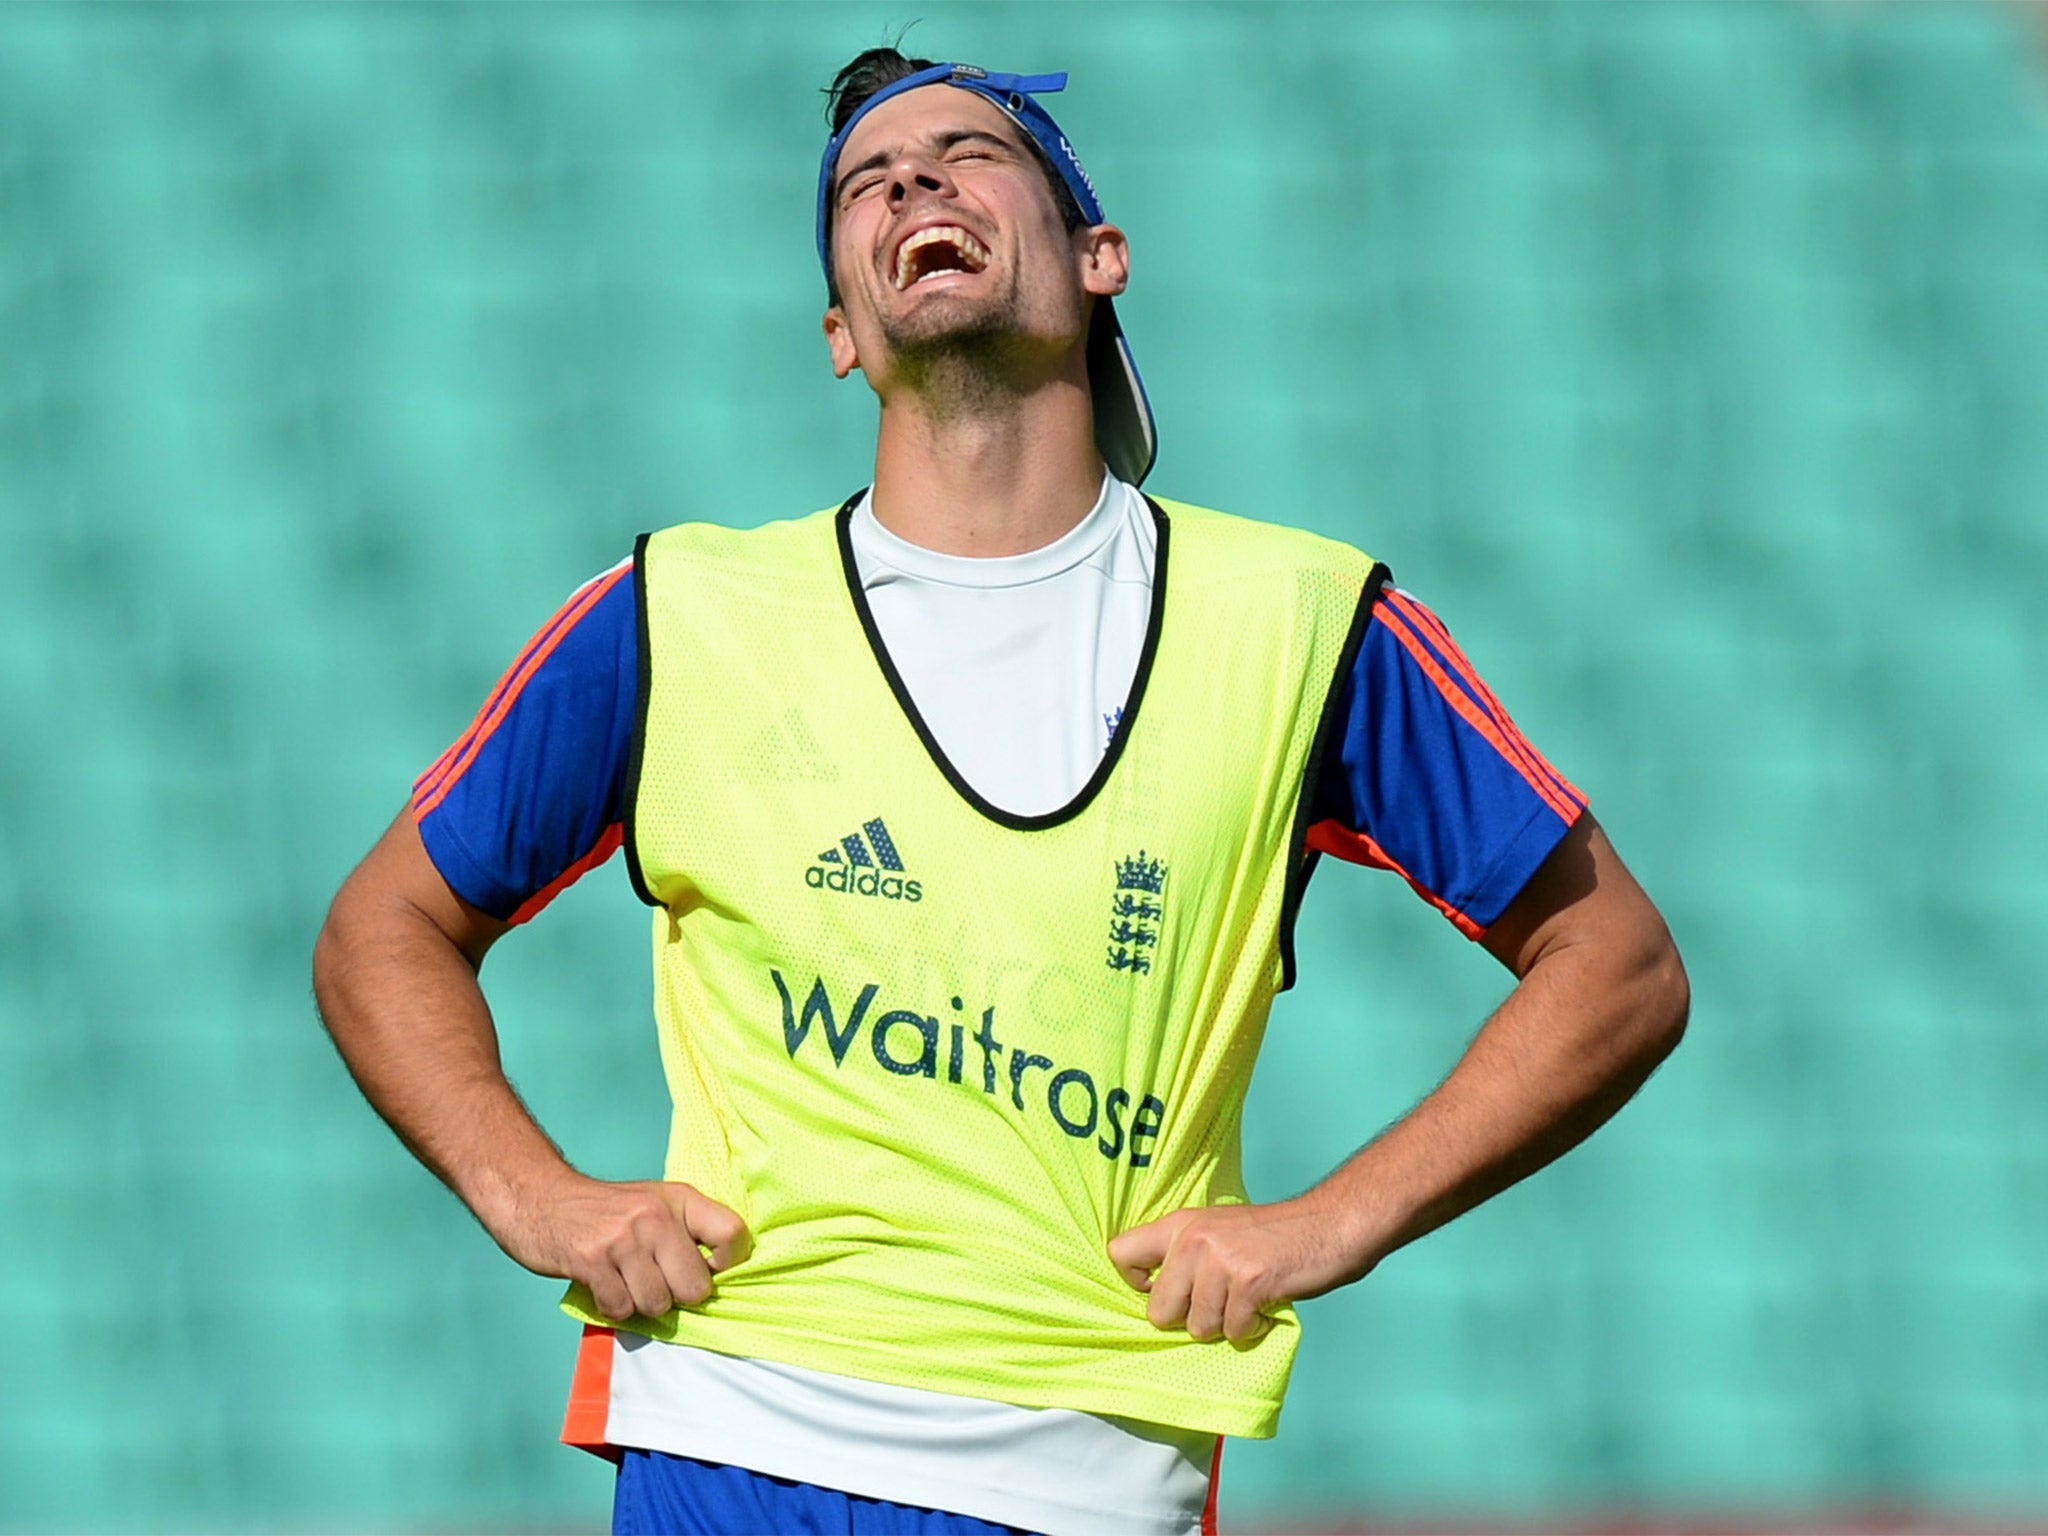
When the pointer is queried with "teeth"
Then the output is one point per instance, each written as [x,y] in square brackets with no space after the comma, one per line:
[959,239]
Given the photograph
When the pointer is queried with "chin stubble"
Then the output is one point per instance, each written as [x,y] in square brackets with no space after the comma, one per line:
[962,373]
[962,361]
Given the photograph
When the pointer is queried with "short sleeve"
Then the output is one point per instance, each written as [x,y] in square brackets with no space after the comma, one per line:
[531,796]
[1426,775]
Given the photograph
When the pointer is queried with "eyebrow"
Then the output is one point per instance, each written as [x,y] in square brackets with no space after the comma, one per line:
[945,141]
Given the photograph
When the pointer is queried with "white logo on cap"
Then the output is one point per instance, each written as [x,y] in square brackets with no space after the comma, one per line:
[1079,169]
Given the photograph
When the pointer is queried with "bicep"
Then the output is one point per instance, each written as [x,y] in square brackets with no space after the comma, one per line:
[397,878]
[1582,894]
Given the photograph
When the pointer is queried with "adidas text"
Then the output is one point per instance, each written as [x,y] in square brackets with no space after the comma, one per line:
[866,863]
[863,882]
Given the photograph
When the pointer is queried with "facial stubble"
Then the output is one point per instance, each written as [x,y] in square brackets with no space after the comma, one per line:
[964,354]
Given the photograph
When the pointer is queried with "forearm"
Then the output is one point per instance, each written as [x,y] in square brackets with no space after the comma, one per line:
[1577,1037]
[394,971]
[401,1000]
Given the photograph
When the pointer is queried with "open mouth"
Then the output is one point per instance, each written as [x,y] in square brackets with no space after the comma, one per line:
[932,252]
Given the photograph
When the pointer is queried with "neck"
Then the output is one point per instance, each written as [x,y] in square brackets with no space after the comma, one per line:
[965,468]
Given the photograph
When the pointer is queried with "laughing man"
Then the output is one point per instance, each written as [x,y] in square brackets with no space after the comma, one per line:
[975,815]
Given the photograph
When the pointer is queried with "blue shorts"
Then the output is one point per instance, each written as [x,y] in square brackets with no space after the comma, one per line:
[663,1495]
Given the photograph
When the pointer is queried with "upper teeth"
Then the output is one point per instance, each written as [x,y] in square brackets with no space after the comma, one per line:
[952,235]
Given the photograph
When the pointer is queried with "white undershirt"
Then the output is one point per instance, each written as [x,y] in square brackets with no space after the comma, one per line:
[1020,667]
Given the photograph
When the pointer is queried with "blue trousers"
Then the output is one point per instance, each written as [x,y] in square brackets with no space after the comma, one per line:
[663,1495]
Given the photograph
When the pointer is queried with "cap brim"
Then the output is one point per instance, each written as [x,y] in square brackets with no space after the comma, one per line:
[1124,430]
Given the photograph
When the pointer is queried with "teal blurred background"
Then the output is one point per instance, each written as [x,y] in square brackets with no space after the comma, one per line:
[1691,360]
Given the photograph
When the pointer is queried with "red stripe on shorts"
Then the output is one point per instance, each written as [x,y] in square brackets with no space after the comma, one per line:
[590,1395]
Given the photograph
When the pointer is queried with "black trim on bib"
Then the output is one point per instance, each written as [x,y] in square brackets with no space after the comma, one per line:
[1302,859]
[1125,726]
[637,752]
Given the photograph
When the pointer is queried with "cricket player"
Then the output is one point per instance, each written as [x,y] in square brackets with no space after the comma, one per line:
[974,815]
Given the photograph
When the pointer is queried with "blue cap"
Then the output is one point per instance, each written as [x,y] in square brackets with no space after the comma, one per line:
[1124,429]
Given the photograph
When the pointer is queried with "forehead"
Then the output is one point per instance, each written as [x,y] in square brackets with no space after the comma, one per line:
[922,115]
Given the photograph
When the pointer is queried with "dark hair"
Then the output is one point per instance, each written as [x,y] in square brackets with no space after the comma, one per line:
[876,69]
[867,73]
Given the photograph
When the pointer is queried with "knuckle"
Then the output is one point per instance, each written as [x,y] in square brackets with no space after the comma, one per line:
[640,1235]
[650,1296]
[647,1211]
[712,1228]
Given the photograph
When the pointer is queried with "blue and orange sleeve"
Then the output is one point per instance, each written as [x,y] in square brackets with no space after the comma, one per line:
[1428,777]
[532,796]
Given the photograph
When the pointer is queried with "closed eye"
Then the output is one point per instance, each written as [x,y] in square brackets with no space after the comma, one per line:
[973,144]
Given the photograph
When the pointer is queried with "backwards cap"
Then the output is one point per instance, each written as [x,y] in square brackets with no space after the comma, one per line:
[1125,432]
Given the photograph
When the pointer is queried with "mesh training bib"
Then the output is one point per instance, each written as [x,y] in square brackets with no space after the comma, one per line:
[936,1055]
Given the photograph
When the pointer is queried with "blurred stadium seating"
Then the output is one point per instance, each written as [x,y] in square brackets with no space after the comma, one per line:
[1692,360]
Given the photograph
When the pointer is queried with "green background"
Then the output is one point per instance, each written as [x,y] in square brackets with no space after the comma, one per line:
[1689,360]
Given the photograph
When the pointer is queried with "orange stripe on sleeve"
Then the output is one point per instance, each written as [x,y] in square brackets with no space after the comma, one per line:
[507,694]
[1333,837]
[606,845]
[1480,720]
[1428,623]
[1531,762]
[590,1395]
[431,779]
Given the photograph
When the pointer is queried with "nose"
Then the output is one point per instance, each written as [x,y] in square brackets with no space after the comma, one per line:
[915,174]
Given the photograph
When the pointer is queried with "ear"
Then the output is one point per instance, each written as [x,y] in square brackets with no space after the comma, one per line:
[839,341]
[1105,260]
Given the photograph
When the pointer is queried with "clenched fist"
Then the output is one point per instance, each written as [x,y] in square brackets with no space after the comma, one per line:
[1216,1270]
[637,1247]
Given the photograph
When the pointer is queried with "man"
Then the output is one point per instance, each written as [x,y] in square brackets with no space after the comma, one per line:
[976,815]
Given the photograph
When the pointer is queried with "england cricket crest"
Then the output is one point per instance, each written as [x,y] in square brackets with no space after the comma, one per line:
[1134,912]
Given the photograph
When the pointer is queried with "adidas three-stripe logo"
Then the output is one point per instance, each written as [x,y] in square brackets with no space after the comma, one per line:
[857,851]
[864,866]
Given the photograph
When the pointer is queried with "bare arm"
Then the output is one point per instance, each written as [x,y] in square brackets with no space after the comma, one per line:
[1601,999]
[395,974]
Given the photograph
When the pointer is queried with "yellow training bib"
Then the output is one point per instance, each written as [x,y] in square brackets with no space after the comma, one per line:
[937,1056]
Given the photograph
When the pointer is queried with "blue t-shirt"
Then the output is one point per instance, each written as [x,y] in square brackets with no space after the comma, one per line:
[1425,776]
